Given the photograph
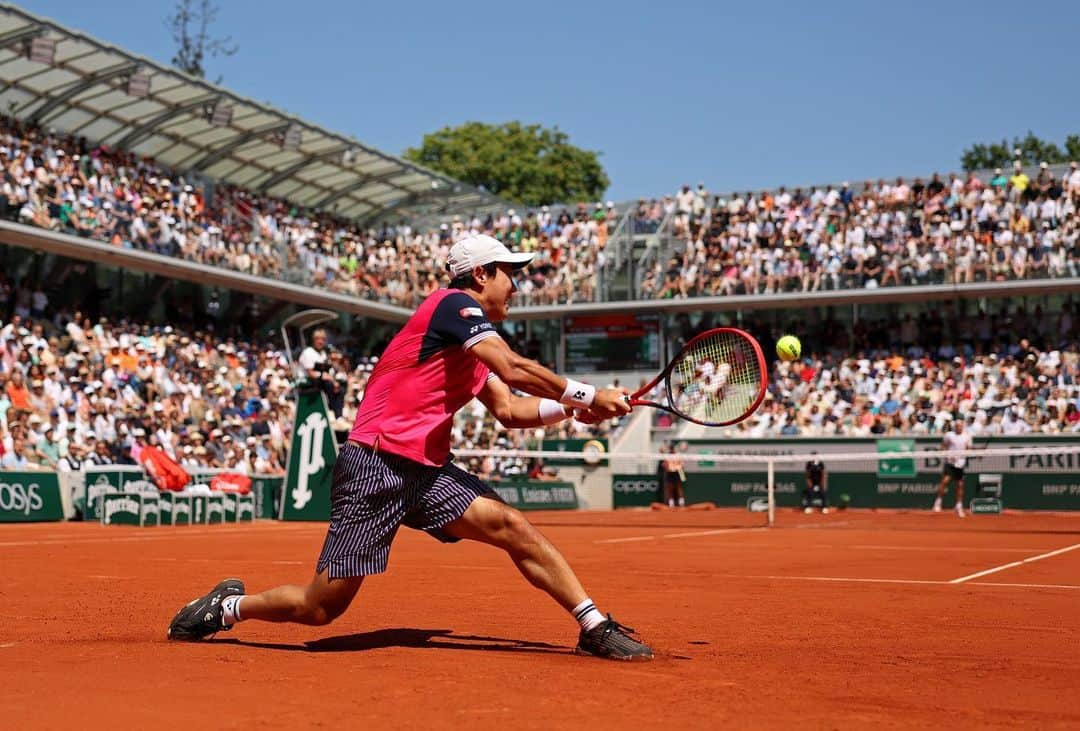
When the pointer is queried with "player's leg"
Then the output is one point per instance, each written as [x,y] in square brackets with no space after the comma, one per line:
[669,490]
[824,499]
[489,520]
[320,602]
[941,489]
[367,505]
[457,504]
[958,478]
[680,495]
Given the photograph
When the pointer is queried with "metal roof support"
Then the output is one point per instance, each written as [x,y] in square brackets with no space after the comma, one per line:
[78,87]
[142,131]
[374,215]
[12,37]
[295,168]
[364,180]
[235,143]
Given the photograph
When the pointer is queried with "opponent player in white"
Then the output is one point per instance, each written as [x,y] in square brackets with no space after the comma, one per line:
[953,442]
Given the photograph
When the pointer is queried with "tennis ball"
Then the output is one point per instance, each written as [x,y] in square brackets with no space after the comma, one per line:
[788,347]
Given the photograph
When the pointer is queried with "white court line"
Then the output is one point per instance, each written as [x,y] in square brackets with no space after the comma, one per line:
[153,537]
[938,549]
[819,526]
[1025,586]
[994,570]
[186,559]
[719,531]
[842,579]
[7,645]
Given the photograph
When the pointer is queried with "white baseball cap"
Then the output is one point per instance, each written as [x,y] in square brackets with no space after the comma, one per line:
[480,250]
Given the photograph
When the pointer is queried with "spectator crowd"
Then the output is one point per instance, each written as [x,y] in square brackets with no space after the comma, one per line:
[1010,372]
[831,237]
[75,390]
[885,234]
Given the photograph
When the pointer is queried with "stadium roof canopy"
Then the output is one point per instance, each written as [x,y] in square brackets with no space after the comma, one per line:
[63,79]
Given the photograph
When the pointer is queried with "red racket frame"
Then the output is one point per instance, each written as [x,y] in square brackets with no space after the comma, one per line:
[635,398]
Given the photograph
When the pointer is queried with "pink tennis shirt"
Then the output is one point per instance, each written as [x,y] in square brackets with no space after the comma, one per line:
[423,378]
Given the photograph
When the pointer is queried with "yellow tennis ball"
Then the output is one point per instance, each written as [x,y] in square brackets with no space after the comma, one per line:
[788,348]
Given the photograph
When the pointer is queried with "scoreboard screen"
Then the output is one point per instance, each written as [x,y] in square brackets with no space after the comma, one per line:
[598,343]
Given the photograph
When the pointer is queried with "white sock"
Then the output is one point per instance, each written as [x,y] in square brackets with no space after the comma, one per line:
[682,502]
[587,615]
[671,503]
[230,608]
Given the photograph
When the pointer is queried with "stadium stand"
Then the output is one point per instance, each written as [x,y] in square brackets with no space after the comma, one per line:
[96,390]
[72,387]
[826,238]
[885,234]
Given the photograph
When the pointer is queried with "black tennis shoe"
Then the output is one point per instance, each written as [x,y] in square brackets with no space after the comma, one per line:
[612,640]
[201,618]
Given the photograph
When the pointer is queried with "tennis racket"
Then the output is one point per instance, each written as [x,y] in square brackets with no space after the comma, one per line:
[717,379]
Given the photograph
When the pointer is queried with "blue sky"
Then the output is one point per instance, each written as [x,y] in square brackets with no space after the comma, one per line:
[737,96]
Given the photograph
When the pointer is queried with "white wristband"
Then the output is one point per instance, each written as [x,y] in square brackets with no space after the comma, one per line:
[578,394]
[551,412]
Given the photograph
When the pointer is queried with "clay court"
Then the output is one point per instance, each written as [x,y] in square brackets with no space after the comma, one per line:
[855,619]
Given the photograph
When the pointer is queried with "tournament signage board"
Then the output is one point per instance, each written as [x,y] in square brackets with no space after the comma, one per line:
[312,455]
[27,497]
[537,495]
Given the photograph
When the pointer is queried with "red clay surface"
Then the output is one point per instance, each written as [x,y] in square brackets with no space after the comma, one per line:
[839,621]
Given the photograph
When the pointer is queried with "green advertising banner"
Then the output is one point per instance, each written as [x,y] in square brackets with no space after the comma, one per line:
[1019,490]
[105,479]
[537,495]
[635,491]
[174,509]
[896,467]
[215,508]
[598,446]
[312,454]
[198,509]
[27,497]
[129,508]
[266,490]
[245,508]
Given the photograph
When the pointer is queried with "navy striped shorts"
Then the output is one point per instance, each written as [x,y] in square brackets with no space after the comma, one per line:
[374,493]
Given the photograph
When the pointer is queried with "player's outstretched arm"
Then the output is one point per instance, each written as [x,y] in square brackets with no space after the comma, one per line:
[520,412]
[527,375]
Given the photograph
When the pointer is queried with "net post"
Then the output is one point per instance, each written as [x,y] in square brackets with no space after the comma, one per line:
[771,484]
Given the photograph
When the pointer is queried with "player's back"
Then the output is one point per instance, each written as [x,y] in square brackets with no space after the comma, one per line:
[425,375]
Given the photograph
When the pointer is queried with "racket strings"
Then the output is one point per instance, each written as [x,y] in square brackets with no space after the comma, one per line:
[715,380]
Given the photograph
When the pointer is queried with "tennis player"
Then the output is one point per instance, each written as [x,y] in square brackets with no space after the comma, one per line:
[954,465]
[395,468]
[674,477]
[815,490]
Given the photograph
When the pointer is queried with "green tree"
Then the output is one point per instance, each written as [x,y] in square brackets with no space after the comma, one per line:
[1072,147]
[520,162]
[1029,150]
[985,156]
